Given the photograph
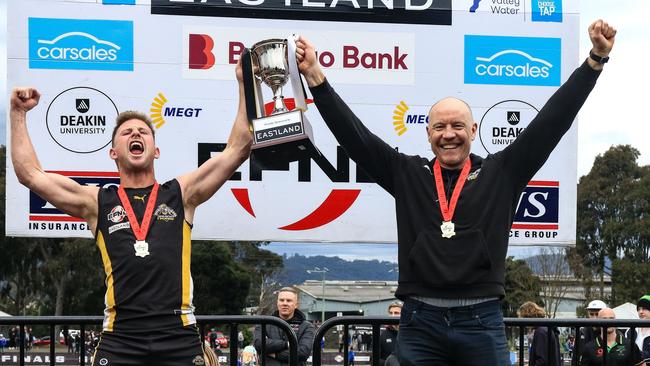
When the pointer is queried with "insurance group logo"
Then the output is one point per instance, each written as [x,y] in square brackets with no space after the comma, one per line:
[503,123]
[538,207]
[161,111]
[404,117]
[512,60]
[80,44]
[81,119]
[44,216]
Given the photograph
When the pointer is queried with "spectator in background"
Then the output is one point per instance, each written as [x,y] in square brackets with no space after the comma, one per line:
[3,343]
[641,336]
[620,351]
[388,337]
[340,341]
[542,353]
[587,334]
[277,343]
[351,358]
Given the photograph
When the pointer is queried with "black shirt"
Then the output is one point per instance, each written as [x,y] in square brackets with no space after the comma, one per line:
[622,353]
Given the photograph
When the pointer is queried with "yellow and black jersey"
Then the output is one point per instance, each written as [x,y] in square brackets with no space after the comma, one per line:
[147,289]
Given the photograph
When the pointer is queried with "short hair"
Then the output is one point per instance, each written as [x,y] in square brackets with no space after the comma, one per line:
[129,115]
[288,289]
[395,304]
[531,310]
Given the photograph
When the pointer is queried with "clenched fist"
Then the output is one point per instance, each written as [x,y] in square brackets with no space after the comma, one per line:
[24,99]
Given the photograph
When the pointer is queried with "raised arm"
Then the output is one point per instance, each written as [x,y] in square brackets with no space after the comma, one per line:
[365,148]
[62,192]
[198,186]
[531,149]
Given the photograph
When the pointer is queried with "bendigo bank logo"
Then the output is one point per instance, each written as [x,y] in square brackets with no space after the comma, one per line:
[538,207]
[401,118]
[512,60]
[200,51]
[80,44]
[44,216]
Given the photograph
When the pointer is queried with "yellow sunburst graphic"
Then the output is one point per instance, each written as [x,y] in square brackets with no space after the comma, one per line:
[398,118]
[156,110]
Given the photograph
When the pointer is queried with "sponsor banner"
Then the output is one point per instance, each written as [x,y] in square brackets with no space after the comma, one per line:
[81,119]
[185,82]
[546,10]
[512,60]
[356,57]
[432,12]
[80,44]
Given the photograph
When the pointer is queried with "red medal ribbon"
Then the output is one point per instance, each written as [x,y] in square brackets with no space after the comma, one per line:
[140,232]
[448,211]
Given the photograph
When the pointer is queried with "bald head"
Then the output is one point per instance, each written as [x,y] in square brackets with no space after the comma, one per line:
[606,313]
[447,104]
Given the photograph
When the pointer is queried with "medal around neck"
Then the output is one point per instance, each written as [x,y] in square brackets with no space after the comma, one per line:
[448,229]
[281,134]
[141,248]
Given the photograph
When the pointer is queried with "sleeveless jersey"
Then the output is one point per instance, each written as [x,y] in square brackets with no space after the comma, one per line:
[151,292]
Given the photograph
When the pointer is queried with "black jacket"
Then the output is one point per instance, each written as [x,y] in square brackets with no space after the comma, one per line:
[278,343]
[541,349]
[645,350]
[387,341]
[472,263]
[623,353]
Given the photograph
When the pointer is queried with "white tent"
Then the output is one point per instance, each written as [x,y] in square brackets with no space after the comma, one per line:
[2,313]
[626,311]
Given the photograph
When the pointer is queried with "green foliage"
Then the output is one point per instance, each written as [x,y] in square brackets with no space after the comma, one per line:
[521,286]
[613,223]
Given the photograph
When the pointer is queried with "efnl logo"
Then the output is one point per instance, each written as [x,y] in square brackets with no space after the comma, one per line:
[512,60]
[547,11]
[76,44]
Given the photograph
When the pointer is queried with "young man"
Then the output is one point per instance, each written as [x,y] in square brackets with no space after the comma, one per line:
[142,230]
[452,255]
[620,350]
[641,336]
[587,334]
[277,343]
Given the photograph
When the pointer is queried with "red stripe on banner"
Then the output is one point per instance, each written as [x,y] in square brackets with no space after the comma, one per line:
[241,195]
[543,183]
[336,203]
[55,218]
[69,173]
[536,226]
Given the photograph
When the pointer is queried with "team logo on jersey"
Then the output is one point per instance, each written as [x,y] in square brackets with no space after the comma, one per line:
[474,175]
[198,361]
[117,214]
[165,213]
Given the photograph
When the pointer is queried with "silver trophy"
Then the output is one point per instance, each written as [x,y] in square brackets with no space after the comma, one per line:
[281,135]
[271,67]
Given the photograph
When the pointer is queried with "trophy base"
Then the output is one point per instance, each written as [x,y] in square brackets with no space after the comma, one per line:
[283,137]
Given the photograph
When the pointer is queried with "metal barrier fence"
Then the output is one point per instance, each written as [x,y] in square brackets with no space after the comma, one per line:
[83,321]
[375,322]
[520,324]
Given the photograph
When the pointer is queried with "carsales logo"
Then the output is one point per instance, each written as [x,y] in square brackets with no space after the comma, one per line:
[512,60]
[352,58]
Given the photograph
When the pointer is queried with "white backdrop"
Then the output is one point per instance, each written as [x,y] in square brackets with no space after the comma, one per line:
[91,60]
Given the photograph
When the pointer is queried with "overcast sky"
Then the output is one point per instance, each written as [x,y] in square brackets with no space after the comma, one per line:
[613,113]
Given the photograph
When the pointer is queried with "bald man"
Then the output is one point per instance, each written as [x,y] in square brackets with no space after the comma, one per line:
[454,212]
[620,350]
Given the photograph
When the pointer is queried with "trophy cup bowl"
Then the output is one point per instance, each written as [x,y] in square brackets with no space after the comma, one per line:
[270,61]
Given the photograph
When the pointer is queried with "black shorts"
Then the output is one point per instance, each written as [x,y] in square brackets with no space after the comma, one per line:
[174,347]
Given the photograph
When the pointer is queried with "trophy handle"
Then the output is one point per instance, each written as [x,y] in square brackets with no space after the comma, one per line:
[252,92]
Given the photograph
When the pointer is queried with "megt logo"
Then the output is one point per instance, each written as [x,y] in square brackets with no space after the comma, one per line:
[538,207]
[42,212]
[160,110]
[402,118]
[80,44]
[512,60]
